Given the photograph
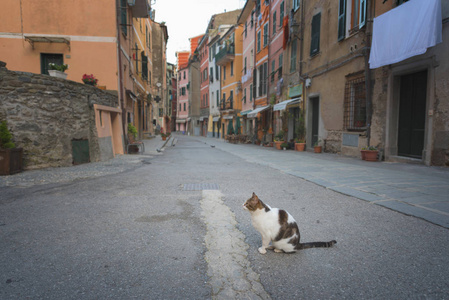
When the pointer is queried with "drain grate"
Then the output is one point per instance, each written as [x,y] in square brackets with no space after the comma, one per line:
[200,186]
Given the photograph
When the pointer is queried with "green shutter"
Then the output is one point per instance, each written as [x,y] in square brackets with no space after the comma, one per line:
[362,13]
[123,15]
[341,20]
[315,43]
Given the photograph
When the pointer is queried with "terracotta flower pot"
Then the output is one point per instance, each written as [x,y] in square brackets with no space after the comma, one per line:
[363,152]
[300,146]
[278,144]
[318,149]
[371,155]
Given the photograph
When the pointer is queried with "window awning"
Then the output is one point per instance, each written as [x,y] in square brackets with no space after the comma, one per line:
[406,31]
[180,120]
[46,39]
[283,104]
[215,119]
[244,113]
[253,114]
[228,117]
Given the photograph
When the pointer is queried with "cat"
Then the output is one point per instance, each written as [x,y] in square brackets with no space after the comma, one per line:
[279,227]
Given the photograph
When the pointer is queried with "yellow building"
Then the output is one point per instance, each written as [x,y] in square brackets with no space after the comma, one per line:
[229,58]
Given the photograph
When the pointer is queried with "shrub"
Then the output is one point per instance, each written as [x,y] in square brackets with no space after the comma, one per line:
[5,137]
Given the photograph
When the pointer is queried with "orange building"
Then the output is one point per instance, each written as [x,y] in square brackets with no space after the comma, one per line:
[229,58]
[92,37]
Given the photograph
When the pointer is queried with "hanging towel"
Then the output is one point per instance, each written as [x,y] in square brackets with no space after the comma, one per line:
[405,31]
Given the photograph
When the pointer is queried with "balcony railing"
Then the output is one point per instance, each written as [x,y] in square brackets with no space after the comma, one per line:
[227,104]
[225,55]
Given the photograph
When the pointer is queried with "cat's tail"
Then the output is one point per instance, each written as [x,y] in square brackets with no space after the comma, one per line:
[301,246]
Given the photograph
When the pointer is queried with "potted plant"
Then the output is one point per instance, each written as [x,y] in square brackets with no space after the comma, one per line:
[90,79]
[370,153]
[279,139]
[284,146]
[317,147]
[300,145]
[56,70]
[300,131]
[10,156]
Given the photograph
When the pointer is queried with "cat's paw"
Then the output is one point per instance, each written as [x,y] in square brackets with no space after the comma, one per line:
[278,250]
[262,250]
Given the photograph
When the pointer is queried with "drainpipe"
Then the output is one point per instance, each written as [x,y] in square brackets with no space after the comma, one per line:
[120,75]
[366,53]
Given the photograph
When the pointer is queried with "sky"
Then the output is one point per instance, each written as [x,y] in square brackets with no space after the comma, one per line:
[186,19]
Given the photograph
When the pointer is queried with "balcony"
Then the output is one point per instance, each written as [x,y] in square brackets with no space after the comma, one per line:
[227,104]
[225,55]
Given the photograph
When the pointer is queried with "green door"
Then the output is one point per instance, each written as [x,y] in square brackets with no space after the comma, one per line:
[80,151]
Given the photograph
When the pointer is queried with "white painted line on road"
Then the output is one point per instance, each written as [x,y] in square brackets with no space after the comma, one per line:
[229,270]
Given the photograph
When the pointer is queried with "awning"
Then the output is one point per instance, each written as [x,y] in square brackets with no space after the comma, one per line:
[201,119]
[228,117]
[244,113]
[180,120]
[46,39]
[283,104]
[253,114]
[215,119]
[406,31]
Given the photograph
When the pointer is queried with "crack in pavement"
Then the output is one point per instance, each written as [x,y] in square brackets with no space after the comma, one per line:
[229,270]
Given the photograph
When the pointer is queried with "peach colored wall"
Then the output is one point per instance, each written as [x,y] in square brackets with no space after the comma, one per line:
[89,25]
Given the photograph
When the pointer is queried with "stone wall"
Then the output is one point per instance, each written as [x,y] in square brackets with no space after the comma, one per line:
[45,114]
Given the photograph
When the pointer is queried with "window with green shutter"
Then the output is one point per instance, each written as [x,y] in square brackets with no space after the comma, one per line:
[123,17]
[341,19]
[258,41]
[281,14]
[144,66]
[274,22]
[315,41]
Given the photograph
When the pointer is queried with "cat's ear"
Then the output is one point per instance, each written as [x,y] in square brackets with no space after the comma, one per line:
[254,195]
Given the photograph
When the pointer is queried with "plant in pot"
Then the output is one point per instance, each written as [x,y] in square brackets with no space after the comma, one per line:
[284,146]
[300,143]
[90,79]
[279,139]
[317,147]
[370,153]
[56,70]
[10,156]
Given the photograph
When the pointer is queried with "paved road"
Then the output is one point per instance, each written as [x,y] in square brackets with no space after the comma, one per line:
[170,225]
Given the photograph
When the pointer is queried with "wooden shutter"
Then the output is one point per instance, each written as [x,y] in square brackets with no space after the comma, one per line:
[123,16]
[341,19]
[315,43]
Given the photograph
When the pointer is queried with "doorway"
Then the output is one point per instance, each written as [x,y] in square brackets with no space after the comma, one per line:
[412,114]
[315,119]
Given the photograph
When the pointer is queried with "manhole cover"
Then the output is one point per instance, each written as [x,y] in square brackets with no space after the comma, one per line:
[200,186]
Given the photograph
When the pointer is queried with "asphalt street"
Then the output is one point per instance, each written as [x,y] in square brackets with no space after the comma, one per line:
[170,225]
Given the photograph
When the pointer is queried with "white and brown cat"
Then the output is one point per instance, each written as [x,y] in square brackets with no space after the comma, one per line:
[279,227]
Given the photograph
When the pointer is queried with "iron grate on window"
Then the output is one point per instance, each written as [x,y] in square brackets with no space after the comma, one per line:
[355,105]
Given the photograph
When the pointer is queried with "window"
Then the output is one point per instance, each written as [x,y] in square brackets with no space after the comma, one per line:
[244,95]
[265,77]
[293,55]
[265,34]
[50,58]
[180,107]
[281,63]
[184,74]
[244,66]
[183,90]
[258,41]
[274,23]
[211,76]
[123,17]
[224,72]
[250,93]
[315,41]
[184,107]
[273,70]
[341,19]
[217,72]
[218,98]
[281,14]
[246,29]
[355,104]
[144,66]
[295,4]
[232,68]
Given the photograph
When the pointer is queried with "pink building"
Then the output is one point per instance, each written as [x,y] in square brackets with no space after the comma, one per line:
[182,112]
[247,20]
[203,50]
